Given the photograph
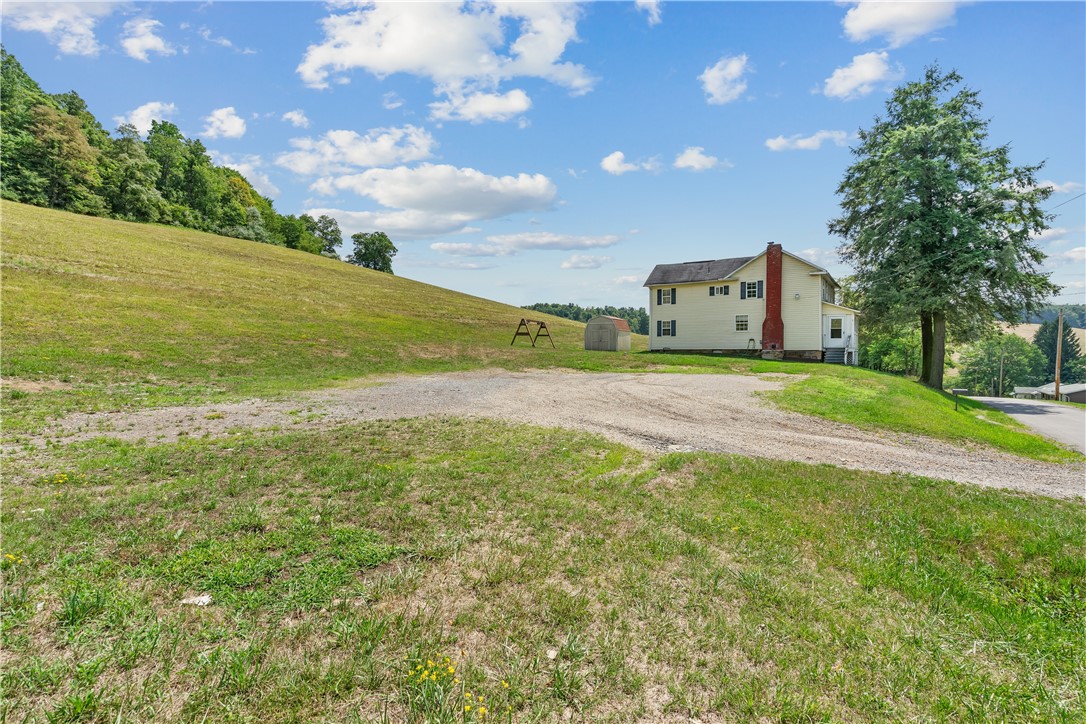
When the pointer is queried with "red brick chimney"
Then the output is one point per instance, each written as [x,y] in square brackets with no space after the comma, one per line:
[773,326]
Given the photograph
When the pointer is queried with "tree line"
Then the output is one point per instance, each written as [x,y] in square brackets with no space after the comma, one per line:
[54,153]
[1074,315]
[636,317]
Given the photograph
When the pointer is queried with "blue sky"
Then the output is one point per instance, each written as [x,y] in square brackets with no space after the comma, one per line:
[556,151]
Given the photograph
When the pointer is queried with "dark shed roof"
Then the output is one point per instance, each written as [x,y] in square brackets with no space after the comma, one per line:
[695,271]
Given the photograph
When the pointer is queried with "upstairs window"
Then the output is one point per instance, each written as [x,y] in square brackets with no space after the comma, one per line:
[717,291]
[666,297]
[750,290]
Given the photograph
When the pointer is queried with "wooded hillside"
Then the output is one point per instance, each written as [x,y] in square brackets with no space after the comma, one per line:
[54,153]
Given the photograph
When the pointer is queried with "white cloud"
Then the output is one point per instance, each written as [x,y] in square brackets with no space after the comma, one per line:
[461,47]
[511,244]
[479,107]
[140,39]
[205,33]
[813,142]
[467,265]
[723,82]
[651,8]
[822,257]
[1076,255]
[898,22]
[862,76]
[344,151]
[585,261]
[629,279]
[1051,234]
[695,159]
[391,101]
[296,118]
[69,26]
[431,200]
[547,240]
[248,166]
[616,164]
[224,123]
[1058,188]
[141,117]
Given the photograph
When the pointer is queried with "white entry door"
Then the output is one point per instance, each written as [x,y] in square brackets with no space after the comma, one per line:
[833,331]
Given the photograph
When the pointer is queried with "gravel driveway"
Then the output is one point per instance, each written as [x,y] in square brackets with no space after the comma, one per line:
[653,412]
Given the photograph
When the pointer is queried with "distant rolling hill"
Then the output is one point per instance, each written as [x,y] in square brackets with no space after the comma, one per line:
[109,302]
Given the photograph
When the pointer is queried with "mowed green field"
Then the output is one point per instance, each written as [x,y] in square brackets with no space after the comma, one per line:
[450,570]
[561,576]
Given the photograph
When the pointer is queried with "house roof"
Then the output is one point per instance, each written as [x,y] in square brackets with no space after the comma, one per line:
[1050,388]
[713,270]
[696,271]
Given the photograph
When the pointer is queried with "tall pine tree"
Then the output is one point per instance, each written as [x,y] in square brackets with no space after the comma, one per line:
[1070,351]
[938,226]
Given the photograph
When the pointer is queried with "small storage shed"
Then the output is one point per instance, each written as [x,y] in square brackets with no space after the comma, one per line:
[607,334]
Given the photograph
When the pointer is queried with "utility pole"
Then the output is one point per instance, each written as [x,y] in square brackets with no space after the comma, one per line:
[1001,355]
[1059,352]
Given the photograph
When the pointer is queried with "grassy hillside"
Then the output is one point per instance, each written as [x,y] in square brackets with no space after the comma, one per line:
[84,295]
[102,314]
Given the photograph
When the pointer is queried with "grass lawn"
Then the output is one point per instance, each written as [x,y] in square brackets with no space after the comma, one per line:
[534,573]
[106,315]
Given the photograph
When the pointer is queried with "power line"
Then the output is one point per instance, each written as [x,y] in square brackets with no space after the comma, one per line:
[1067,202]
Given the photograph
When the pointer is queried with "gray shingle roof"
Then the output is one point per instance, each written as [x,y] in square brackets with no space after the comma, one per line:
[695,271]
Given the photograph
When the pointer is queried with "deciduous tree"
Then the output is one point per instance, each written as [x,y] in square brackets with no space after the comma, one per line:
[939,227]
[1022,364]
[373,250]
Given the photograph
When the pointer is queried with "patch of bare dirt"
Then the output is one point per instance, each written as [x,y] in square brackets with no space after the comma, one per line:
[650,412]
[15,383]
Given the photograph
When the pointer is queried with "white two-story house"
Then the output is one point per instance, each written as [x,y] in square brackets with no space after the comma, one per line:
[776,304]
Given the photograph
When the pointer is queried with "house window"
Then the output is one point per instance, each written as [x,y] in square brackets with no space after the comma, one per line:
[717,291]
[665,329]
[666,297]
[723,290]
[835,328]
[741,323]
[752,290]
[827,291]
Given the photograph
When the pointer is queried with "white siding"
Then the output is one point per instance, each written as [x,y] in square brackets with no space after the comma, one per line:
[803,316]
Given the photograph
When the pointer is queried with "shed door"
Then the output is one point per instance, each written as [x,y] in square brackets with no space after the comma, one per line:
[599,337]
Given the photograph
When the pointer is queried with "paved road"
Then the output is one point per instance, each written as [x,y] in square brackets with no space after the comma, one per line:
[1063,423]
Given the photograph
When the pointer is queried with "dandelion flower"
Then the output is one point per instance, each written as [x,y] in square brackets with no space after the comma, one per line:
[467,707]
